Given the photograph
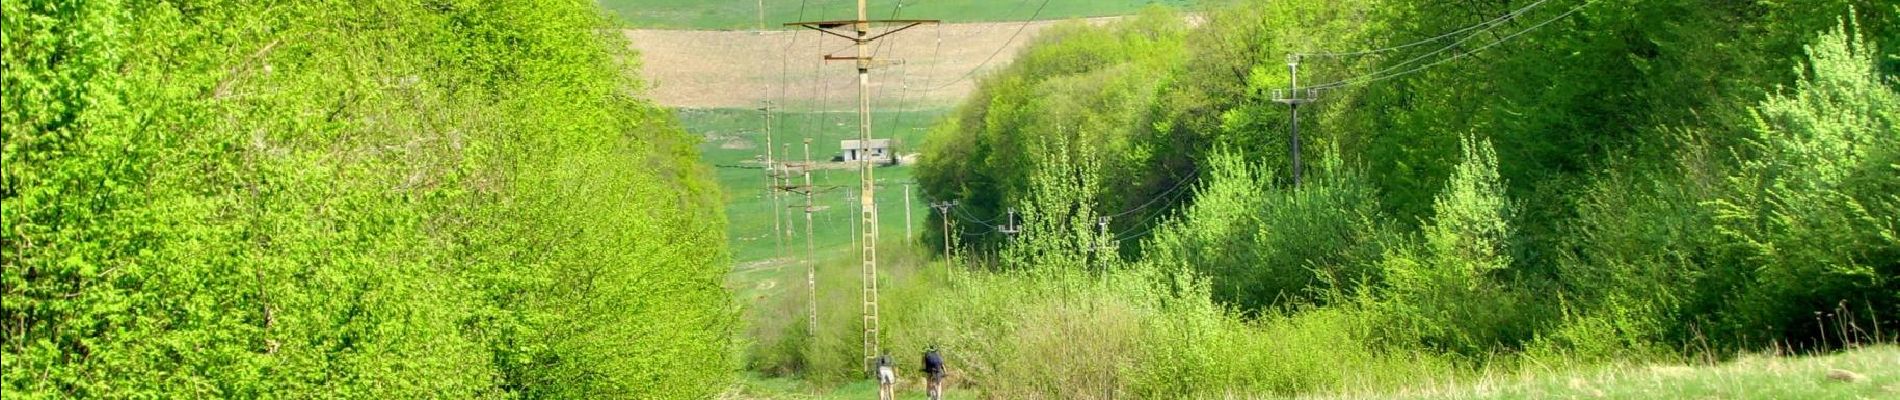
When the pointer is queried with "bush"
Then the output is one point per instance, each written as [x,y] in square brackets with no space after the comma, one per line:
[1452,291]
[347,199]
[1636,281]
[1264,246]
[1811,218]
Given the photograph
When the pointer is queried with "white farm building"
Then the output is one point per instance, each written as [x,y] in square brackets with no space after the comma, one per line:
[877,150]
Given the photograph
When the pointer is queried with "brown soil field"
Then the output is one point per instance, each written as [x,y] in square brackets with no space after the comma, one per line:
[728,69]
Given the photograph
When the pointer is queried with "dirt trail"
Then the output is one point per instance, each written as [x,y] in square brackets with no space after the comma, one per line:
[730,69]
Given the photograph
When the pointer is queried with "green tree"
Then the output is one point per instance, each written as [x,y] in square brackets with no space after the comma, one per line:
[1810,217]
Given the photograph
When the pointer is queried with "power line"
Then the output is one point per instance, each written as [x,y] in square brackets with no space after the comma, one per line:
[1193,175]
[1171,195]
[972,218]
[999,49]
[1486,27]
[906,107]
[860,34]
[1378,77]
[1434,39]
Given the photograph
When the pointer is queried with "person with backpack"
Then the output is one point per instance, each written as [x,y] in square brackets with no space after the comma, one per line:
[933,370]
[886,378]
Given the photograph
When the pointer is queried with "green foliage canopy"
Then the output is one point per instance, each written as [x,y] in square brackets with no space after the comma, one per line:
[347,199]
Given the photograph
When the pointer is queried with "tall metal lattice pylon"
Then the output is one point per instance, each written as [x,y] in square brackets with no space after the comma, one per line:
[859,32]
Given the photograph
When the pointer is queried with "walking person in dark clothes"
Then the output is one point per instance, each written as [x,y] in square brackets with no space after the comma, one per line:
[933,368]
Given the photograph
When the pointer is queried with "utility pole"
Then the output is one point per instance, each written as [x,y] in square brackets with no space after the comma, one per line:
[860,34]
[1105,248]
[949,253]
[810,207]
[851,200]
[784,179]
[906,210]
[811,258]
[1010,227]
[772,173]
[772,182]
[1293,98]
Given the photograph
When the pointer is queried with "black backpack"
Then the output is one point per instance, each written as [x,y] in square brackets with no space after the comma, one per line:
[933,362]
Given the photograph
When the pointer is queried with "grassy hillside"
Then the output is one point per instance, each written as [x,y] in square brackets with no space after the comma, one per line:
[348,199]
[743,14]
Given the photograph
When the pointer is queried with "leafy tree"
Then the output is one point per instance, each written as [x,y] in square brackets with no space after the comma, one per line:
[1810,216]
[1452,291]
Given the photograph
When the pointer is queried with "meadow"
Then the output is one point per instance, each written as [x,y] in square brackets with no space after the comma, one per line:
[731,144]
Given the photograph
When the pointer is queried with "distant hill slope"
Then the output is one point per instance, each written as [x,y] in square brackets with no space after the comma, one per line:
[744,14]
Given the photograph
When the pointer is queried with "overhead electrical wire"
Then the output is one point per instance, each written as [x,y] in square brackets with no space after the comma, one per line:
[1192,177]
[1387,74]
[1434,39]
[999,49]
[914,96]
[1484,27]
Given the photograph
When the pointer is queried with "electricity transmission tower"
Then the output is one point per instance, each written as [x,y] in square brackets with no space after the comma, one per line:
[859,32]
[1293,97]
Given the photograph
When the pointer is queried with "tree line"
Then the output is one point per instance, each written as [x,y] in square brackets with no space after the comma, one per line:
[1599,180]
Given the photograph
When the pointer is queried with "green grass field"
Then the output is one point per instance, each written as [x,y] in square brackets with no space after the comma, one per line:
[733,146]
[1747,377]
[1750,377]
[755,387]
[743,14]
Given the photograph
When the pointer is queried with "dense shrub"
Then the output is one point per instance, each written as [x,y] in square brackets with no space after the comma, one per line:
[347,199]
[1453,291]
[1274,246]
[1789,244]
[1811,218]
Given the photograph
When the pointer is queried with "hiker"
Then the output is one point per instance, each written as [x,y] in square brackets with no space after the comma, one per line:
[886,378]
[933,369]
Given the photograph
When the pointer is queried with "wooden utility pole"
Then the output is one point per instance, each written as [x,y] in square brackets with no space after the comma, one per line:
[949,253]
[907,211]
[773,176]
[811,258]
[1106,248]
[772,171]
[1293,98]
[810,207]
[860,33]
